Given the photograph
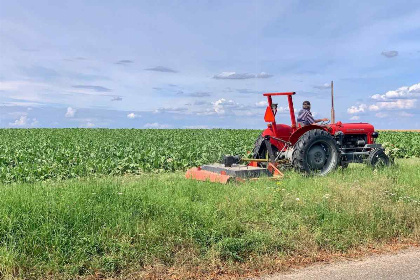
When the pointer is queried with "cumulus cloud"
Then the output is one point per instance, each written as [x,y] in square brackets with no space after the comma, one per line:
[389,54]
[124,62]
[261,104]
[355,118]
[70,112]
[402,98]
[393,105]
[20,122]
[156,125]
[162,69]
[324,86]
[401,93]
[92,87]
[241,76]
[132,116]
[24,121]
[223,106]
[357,109]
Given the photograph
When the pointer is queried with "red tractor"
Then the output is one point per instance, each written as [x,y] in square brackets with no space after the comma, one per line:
[312,149]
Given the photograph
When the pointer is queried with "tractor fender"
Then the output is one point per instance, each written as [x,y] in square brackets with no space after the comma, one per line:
[298,133]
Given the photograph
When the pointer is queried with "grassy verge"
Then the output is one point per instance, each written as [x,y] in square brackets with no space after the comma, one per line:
[116,227]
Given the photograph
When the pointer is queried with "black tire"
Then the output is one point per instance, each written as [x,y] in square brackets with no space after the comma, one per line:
[259,148]
[378,158]
[315,153]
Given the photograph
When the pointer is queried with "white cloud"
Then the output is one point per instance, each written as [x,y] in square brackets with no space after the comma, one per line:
[20,122]
[263,75]
[70,112]
[261,104]
[374,108]
[223,106]
[354,118]
[357,109]
[233,75]
[411,92]
[239,76]
[171,110]
[156,125]
[324,86]
[132,116]
[24,121]
[394,105]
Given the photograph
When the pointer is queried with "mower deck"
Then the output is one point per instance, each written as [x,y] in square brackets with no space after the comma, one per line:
[219,173]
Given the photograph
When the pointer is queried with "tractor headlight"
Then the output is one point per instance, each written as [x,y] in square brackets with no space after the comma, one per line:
[375,134]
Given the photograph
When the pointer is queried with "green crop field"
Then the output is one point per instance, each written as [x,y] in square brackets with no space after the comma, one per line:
[98,203]
[44,154]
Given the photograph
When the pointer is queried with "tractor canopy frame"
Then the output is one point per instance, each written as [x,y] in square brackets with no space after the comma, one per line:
[270,115]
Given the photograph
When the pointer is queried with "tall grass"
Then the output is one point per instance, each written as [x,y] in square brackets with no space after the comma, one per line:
[116,225]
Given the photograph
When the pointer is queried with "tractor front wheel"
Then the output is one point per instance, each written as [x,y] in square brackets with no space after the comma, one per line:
[378,158]
[315,153]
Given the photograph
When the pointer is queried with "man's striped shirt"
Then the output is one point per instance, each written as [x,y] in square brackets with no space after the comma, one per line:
[305,117]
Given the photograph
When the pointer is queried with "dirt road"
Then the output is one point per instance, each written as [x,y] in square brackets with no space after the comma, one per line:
[402,265]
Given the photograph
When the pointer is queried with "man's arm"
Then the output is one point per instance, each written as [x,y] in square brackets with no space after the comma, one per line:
[311,119]
[321,120]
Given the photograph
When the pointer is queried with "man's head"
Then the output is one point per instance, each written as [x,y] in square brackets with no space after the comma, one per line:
[274,108]
[306,105]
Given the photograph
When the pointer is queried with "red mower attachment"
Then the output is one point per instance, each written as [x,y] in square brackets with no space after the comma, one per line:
[230,170]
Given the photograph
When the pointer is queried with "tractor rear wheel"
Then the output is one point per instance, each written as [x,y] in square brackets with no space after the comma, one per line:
[259,148]
[315,153]
[378,158]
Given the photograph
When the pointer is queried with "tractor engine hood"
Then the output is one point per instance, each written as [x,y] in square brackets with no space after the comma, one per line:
[353,128]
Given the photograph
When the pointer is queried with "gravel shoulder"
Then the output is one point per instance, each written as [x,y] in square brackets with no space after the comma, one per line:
[402,265]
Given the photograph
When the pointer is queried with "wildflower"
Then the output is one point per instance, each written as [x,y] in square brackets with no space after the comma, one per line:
[327,195]
[283,190]
[297,199]
[120,193]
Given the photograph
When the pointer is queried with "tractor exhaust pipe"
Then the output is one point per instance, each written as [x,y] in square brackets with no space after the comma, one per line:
[332,103]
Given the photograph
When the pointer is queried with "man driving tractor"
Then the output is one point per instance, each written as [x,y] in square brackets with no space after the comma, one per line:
[305,116]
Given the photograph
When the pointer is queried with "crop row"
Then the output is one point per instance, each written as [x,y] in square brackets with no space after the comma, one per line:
[28,155]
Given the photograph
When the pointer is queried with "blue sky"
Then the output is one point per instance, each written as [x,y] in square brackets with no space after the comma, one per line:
[205,64]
